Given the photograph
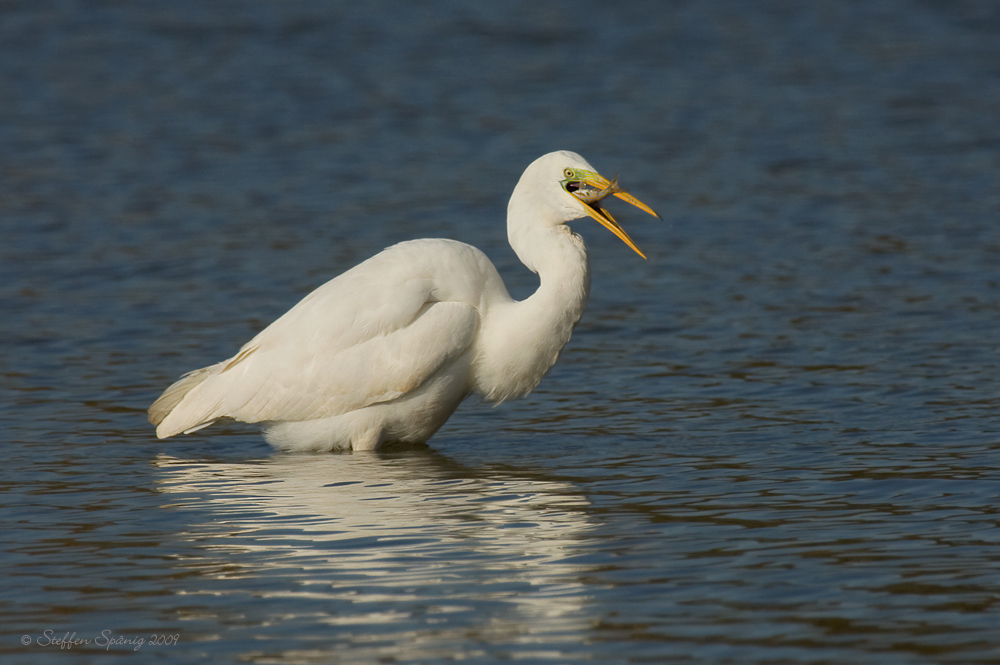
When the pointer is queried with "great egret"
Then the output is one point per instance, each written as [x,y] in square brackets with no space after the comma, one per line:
[388,350]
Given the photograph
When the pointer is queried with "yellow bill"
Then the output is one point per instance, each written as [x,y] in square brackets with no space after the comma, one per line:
[591,202]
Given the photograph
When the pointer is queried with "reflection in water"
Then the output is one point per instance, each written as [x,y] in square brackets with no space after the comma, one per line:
[367,542]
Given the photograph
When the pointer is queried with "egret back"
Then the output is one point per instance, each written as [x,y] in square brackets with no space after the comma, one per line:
[371,335]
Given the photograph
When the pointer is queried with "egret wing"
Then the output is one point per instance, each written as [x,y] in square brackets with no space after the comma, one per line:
[316,381]
[368,336]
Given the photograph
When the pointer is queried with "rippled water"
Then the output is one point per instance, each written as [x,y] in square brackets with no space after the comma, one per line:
[777,441]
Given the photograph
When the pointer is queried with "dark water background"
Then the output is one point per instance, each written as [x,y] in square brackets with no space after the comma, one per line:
[777,441]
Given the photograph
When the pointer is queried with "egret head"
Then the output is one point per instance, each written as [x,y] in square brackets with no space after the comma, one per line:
[571,188]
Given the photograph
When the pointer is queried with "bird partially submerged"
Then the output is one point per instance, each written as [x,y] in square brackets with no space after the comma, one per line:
[388,350]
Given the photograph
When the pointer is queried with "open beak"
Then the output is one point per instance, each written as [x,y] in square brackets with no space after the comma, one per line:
[591,200]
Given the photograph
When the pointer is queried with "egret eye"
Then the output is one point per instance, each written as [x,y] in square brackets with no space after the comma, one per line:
[568,173]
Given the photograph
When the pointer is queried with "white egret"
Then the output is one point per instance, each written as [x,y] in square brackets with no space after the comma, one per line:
[386,351]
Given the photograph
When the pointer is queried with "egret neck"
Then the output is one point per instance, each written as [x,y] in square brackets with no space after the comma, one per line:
[525,338]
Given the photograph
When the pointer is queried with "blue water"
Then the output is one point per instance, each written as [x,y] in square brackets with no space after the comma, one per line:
[775,441]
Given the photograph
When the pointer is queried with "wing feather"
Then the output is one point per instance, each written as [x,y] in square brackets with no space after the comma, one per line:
[375,333]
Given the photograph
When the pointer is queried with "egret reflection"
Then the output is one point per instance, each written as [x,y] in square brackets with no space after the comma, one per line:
[373,536]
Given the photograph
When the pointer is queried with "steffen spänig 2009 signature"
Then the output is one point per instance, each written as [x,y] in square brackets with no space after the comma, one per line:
[107,640]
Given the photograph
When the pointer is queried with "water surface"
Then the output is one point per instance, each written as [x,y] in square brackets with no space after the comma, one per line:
[776,441]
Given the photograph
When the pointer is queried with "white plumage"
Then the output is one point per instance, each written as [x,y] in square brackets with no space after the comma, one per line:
[388,350]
